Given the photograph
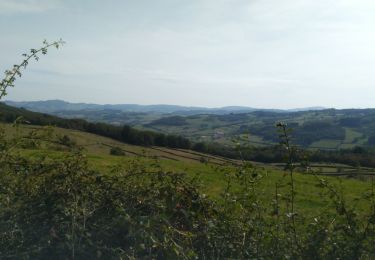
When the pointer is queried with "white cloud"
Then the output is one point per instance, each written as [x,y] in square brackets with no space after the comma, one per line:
[27,6]
[245,52]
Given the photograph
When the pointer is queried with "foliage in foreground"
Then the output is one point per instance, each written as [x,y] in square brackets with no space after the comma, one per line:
[60,208]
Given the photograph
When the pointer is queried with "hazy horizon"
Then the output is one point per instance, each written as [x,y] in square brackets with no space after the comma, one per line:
[262,54]
[163,104]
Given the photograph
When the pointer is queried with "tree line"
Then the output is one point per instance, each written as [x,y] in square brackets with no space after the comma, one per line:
[270,154]
[124,133]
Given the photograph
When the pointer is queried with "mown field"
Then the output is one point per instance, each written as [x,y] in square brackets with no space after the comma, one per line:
[212,171]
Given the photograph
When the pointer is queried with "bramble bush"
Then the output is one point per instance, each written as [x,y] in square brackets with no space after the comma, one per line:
[60,208]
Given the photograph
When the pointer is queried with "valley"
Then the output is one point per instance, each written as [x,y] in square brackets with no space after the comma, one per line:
[324,129]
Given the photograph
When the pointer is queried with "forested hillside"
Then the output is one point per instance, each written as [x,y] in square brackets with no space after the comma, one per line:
[338,129]
[125,133]
[270,153]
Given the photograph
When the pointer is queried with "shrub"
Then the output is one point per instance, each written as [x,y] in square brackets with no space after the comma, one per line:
[116,151]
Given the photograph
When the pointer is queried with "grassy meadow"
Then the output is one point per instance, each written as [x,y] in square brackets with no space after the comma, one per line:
[211,171]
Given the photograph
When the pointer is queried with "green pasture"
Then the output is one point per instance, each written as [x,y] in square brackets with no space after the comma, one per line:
[212,172]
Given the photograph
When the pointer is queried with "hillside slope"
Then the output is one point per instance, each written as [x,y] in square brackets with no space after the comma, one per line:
[210,169]
[328,129]
[149,190]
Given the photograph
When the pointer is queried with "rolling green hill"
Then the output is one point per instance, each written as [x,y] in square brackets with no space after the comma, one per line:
[328,129]
[166,132]
[324,129]
[142,195]
[211,169]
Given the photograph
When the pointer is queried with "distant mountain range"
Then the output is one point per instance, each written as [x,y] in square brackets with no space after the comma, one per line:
[53,106]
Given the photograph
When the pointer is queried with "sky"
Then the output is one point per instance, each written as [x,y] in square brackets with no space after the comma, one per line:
[210,53]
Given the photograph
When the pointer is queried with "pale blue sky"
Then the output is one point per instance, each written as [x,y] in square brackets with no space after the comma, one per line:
[258,53]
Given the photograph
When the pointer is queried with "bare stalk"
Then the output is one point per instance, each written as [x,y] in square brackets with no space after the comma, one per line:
[286,142]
